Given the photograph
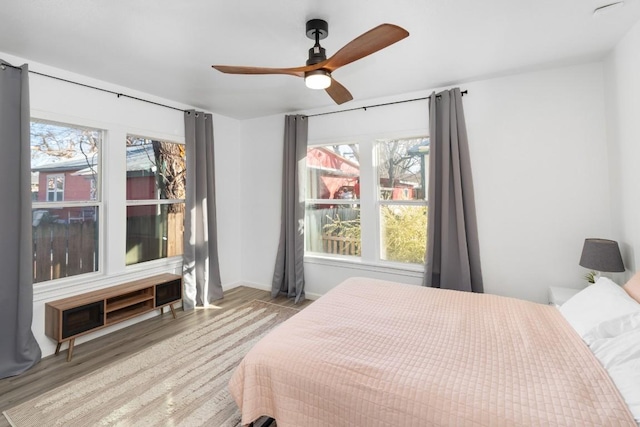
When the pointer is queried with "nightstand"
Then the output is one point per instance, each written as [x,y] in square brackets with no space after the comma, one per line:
[559,295]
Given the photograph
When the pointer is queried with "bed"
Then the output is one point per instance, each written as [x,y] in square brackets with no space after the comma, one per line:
[377,353]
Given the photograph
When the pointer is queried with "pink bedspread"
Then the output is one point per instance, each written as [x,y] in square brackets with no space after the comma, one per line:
[374,353]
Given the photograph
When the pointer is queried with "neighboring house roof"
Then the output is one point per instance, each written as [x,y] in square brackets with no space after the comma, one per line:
[338,157]
[334,172]
[66,165]
[331,163]
[140,159]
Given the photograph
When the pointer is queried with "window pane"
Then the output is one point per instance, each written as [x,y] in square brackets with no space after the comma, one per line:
[65,168]
[333,172]
[155,169]
[55,188]
[65,242]
[154,231]
[404,233]
[403,168]
[333,230]
[64,161]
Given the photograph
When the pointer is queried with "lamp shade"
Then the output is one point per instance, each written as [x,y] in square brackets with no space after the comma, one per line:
[601,255]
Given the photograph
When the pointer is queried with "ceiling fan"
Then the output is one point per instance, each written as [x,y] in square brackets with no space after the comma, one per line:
[317,72]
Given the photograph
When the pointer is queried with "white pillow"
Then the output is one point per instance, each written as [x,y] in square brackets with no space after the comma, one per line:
[613,327]
[626,377]
[618,350]
[602,301]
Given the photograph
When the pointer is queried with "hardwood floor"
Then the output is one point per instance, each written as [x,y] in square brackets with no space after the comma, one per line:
[54,371]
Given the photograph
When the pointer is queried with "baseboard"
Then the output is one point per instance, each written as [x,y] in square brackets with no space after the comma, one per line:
[311,296]
[229,286]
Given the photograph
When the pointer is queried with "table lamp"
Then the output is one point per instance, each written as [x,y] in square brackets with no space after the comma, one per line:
[601,255]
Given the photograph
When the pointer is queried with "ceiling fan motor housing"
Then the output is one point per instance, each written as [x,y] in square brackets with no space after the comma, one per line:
[318,26]
[316,54]
[317,29]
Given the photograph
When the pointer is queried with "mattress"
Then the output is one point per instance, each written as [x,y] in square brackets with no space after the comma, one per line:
[377,353]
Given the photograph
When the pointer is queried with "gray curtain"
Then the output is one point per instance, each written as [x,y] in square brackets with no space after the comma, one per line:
[288,276]
[18,347]
[201,268]
[453,255]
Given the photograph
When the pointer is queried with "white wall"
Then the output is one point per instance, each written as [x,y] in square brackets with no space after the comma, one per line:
[68,103]
[541,176]
[261,154]
[540,173]
[227,137]
[622,69]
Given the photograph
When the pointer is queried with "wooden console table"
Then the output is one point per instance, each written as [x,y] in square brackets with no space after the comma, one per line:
[68,318]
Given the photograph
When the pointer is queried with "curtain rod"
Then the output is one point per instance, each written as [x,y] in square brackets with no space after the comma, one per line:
[464,92]
[118,94]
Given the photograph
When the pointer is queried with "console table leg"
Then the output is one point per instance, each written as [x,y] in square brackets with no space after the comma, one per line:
[173,310]
[58,348]
[70,353]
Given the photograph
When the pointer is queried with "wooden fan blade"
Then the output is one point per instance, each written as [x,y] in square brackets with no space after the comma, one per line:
[338,93]
[370,42]
[232,69]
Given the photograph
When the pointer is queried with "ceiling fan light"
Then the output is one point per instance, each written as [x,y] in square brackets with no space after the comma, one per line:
[317,79]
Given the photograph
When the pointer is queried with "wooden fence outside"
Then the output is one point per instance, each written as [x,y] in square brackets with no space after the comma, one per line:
[324,237]
[339,245]
[67,249]
[150,237]
[63,250]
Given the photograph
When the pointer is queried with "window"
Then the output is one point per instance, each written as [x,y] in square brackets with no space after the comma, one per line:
[66,203]
[402,208]
[367,200]
[333,200]
[155,199]
[55,188]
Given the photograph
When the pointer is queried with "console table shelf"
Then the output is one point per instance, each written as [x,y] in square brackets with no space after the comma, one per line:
[128,301]
[68,318]
[132,311]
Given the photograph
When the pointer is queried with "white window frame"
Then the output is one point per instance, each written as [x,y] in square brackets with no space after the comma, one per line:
[152,202]
[309,201]
[370,221]
[380,202]
[55,190]
[97,202]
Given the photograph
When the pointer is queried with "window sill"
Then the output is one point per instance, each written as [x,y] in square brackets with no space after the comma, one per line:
[60,288]
[409,270]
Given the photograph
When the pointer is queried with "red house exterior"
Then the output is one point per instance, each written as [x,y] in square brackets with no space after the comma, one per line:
[75,180]
[332,176]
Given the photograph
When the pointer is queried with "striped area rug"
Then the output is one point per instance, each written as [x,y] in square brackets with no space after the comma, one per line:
[181,381]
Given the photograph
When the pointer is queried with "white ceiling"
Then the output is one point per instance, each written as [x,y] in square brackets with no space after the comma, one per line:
[166,47]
